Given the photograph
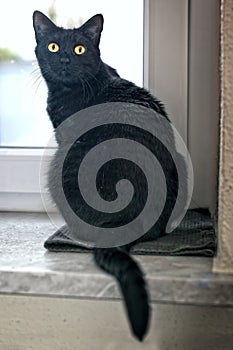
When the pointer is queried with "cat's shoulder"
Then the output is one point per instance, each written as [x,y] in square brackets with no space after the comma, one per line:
[112,72]
[122,90]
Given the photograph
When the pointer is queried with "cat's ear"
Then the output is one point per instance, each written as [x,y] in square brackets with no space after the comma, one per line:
[93,28]
[42,24]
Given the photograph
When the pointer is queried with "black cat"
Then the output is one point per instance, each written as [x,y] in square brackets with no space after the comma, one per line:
[77,78]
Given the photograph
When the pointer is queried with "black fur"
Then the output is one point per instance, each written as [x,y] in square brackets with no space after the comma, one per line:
[117,262]
[74,83]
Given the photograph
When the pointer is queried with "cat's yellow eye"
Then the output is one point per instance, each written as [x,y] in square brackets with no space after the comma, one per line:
[79,50]
[53,47]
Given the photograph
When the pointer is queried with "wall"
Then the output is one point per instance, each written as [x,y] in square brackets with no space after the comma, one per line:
[224,260]
[36,323]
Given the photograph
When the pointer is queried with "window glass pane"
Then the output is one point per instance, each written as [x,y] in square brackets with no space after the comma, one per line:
[23,117]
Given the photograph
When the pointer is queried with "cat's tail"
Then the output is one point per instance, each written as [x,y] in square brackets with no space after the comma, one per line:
[132,285]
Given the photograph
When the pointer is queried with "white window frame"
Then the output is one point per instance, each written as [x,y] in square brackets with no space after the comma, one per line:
[19,179]
[171,35]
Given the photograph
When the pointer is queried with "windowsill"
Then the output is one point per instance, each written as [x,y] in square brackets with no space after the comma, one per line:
[34,153]
[27,268]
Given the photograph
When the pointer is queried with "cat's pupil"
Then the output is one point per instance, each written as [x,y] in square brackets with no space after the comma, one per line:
[80,49]
[53,46]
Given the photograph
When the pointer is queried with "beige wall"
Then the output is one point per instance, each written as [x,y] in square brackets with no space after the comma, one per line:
[224,261]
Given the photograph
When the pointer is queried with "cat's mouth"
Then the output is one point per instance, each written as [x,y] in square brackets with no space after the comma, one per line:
[63,75]
[64,72]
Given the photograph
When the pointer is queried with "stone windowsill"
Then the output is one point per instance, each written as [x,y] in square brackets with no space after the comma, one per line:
[27,268]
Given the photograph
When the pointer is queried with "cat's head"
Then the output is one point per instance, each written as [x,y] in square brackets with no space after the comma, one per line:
[67,55]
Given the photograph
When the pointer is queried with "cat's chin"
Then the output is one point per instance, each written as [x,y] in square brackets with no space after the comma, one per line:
[63,78]
[64,74]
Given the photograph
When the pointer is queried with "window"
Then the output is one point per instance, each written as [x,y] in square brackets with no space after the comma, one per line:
[182,68]
[24,122]
[25,126]
[172,48]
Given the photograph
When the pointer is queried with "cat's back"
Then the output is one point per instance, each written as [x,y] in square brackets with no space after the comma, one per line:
[122,90]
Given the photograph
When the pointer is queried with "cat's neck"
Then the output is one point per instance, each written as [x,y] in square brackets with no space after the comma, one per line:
[65,100]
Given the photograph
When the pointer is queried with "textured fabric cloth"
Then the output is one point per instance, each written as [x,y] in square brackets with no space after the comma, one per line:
[194,236]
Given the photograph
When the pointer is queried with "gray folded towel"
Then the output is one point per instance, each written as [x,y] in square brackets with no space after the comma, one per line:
[194,236]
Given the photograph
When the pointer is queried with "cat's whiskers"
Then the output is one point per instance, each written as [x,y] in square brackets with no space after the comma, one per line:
[92,76]
[90,88]
[36,70]
[87,89]
[89,85]
[35,80]
[83,87]
[34,75]
[31,78]
[38,81]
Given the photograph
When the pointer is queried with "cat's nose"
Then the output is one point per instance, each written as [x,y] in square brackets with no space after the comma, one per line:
[65,60]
